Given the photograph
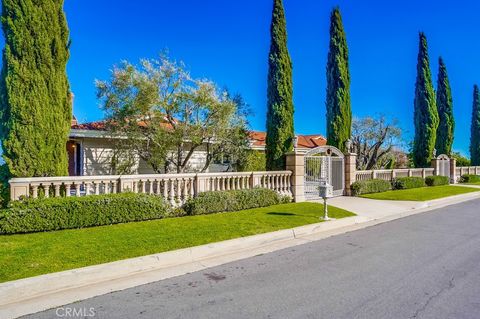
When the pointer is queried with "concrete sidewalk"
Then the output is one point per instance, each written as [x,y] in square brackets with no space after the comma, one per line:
[39,293]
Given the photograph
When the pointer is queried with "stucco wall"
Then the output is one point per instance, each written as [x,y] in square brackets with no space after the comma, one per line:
[97,159]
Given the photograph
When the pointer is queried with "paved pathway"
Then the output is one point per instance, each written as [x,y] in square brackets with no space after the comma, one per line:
[422,266]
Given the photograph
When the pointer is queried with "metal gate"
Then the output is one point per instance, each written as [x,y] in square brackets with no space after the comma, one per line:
[324,163]
[443,165]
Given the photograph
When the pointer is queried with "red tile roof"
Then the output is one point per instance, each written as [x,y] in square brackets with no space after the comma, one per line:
[257,138]
[304,141]
[92,126]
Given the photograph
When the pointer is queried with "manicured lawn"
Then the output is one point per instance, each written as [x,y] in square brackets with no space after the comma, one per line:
[422,194]
[40,253]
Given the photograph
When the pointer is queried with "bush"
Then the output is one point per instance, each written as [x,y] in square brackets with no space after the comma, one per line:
[370,186]
[253,161]
[47,214]
[4,186]
[437,180]
[227,201]
[470,179]
[408,183]
[461,160]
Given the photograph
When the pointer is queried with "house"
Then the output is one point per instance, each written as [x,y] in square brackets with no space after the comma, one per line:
[90,150]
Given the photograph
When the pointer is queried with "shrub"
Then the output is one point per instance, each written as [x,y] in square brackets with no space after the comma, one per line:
[437,180]
[470,179]
[408,182]
[370,186]
[4,186]
[252,161]
[227,201]
[47,214]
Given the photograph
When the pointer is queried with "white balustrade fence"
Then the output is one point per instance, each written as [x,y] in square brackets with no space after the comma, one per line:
[175,188]
[391,174]
[470,170]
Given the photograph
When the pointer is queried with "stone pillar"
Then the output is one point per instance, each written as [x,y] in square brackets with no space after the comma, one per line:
[453,171]
[350,172]
[19,190]
[436,166]
[126,185]
[199,185]
[296,164]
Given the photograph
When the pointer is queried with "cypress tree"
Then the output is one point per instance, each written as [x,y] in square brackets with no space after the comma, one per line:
[425,114]
[475,129]
[446,124]
[35,106]
[339,112]
[280,131]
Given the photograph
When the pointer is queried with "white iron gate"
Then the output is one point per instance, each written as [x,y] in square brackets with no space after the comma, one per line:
[324,163]
[443,165]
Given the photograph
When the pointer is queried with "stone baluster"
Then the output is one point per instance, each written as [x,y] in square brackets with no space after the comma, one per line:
[172,191]
[165,190]
[185,189]
[67,189]
[57,189]
[87,188]
[46,189]
[227,183]
[192,188]
[282,184]
[34,190]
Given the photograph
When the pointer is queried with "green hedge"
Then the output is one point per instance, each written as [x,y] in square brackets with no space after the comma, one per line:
[408,183]
[470,179]
[370,186]
[227,201]
[437,180]
[78,212]
[253,161]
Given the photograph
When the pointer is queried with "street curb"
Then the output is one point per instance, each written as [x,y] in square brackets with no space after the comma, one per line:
[30,295]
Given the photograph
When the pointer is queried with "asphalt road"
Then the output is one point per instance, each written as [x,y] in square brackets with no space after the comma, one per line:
[423,266]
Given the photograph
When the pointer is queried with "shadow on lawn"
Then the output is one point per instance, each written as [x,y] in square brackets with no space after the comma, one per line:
[281,214]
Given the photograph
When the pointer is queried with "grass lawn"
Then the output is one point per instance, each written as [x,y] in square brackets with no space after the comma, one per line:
[422,194]
[34,254]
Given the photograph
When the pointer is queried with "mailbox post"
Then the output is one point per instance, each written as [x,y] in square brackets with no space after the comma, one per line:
[325,192]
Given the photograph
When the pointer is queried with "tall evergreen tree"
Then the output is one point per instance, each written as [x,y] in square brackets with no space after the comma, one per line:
[425,115]
[280,130]
[35,106]
[339,112]
[446,126]
[475,129]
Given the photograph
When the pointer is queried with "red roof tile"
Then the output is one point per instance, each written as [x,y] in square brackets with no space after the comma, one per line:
[304,141]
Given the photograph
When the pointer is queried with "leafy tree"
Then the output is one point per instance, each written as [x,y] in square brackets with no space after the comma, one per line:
[475,128]
[35,106]
[339,113]
[425,115]
[280,130]
[446,125]
[462,161]
[374,140]
[252,161]
[158,113]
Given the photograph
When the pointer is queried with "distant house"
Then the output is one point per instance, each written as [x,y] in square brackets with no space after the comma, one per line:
[90,150]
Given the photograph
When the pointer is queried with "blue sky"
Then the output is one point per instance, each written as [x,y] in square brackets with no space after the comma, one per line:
[228,41]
